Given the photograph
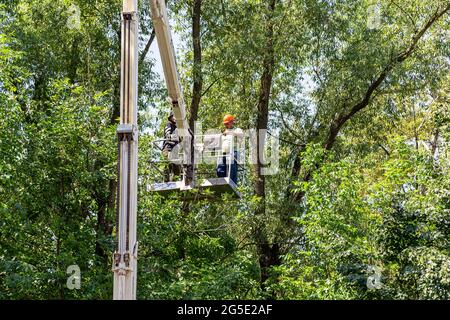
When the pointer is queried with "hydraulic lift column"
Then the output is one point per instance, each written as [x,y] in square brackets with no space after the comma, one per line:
[125,255]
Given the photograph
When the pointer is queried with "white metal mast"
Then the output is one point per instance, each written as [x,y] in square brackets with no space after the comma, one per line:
[175,92]
[125,255]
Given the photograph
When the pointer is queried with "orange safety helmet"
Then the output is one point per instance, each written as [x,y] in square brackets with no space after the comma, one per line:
[228,118]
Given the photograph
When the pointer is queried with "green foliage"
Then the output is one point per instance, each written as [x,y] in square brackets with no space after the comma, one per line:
[338,227]
[397,221]
[379,200]
[414,237]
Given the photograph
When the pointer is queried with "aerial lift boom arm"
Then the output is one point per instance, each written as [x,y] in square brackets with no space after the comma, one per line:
[167,53]
[175,92]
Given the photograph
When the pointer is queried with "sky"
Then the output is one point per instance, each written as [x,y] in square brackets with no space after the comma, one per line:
[154,51]
[154,54]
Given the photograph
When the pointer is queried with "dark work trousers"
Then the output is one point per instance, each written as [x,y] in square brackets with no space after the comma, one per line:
[172,170]
[222,169]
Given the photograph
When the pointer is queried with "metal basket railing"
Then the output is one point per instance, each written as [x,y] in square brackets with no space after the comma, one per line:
[207,158]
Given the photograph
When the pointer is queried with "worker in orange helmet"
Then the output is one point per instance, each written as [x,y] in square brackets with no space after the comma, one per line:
[228,121]
[229,134]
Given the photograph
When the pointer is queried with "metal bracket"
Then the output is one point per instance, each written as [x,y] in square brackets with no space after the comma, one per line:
[133,15]
[120,264]
[124,128]
[116,258]
[127,129]
[126,259]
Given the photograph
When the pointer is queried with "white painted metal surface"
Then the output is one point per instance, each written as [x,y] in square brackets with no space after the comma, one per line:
[168,59]
[215,186]
[125,255]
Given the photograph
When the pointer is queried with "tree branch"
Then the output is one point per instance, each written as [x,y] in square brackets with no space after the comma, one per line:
[209,87]
[343,118]
[337,124]
[384,149]
[411,19]
[147,47]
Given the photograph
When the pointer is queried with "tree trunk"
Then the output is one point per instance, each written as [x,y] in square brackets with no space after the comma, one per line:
[107,203]
[196,97]
[100,228]
[268,254]
[197,67]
